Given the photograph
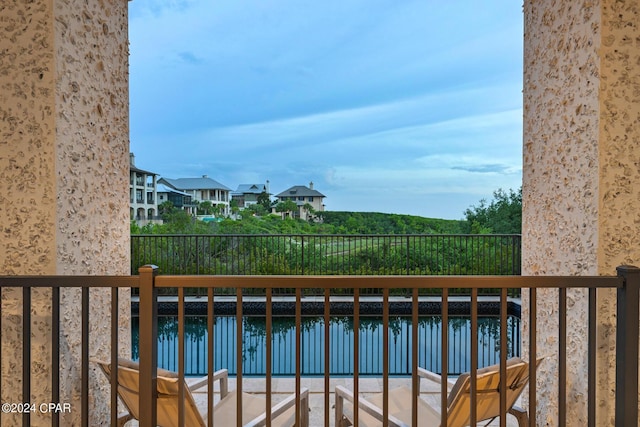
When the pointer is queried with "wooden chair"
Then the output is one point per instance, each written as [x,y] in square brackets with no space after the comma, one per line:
[253,407]
[458,401]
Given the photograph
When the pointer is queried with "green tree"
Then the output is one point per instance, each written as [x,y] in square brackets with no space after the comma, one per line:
[174,218]
[265,201]
[310,211]
[233,205]
[217,210]
[256,209]
[503,215]
[166,208]
[286,206]
[205,208]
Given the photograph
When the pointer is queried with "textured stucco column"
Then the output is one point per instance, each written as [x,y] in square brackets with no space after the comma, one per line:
[64,169]
[581,179]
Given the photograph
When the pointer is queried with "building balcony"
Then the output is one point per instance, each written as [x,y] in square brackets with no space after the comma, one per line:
[320,294]
[215,200]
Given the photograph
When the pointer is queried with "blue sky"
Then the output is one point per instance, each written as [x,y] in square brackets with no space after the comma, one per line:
[389,106]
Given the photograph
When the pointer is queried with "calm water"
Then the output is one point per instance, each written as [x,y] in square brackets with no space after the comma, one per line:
[341,344]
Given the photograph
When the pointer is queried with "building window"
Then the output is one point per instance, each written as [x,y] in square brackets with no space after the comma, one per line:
[310,199]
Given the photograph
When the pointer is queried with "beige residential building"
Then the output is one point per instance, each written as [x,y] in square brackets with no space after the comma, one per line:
[202,189]
[304,197]
[143,195]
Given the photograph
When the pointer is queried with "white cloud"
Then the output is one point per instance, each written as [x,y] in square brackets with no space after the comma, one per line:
[365,98]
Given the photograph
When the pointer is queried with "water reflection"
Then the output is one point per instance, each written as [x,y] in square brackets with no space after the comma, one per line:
[340,344]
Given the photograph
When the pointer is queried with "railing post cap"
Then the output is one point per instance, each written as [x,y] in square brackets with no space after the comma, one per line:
[625,270]
[154,269]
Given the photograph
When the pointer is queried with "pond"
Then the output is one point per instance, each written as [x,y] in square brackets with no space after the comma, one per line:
[340,344]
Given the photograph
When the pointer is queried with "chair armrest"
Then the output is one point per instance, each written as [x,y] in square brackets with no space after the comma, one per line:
[432,376]
[123,418]
[521,415]
[282,407]
[343,394]
[222,375]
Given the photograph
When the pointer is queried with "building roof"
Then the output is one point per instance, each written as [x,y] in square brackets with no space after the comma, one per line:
[161,188]
[300,191]
[250,189]
[204,183]
[138,170]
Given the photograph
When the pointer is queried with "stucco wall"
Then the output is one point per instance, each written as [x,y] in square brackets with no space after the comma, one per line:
[27,135]
[620,136]
[64,165]
[580,178]
[619,160]
[92,162]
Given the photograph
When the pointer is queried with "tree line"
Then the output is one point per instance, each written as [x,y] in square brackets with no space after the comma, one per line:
[353,243]
[501,215]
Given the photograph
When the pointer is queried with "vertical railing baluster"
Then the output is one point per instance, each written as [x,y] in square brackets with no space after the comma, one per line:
[302,269]
[519,259]
[1,340]
[627,347]
[356,354]
[26,351]
[591,358]
[533,355]
[239,349]
[84,358]
[181,356]
[444,365]
[197,258]
[474,357]
[562,357]
[298,350]
[185,252]
[114,357]
[147,347]
[210,356]
[503,357]
[415,380]
[268,312]
[55,353]
[327,354]
[408,256]
[385,357]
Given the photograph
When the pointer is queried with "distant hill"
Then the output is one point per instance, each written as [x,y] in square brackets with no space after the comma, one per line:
[383,223]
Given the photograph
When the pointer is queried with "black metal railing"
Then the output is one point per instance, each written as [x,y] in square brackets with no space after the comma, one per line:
[302,254]
[20,305]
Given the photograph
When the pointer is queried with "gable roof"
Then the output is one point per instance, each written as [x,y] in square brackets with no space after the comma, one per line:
[161,188]
[300,191]
[184,184]
[250,189]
